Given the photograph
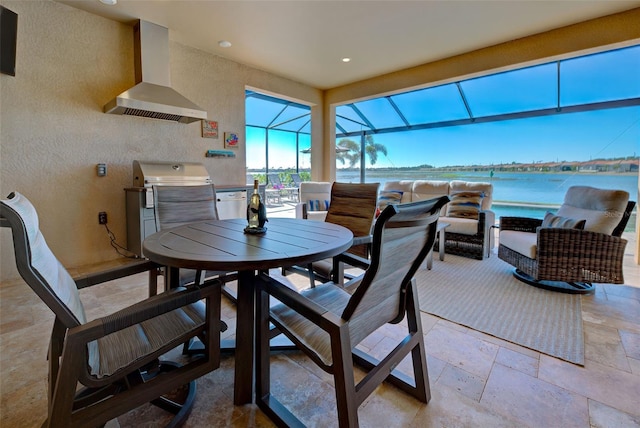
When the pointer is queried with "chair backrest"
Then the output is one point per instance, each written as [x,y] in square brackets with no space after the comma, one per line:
[37,265]
[178,205]
[353,205]
[403,236]
[315,190]
[296,179]
[603,209]
[274,179]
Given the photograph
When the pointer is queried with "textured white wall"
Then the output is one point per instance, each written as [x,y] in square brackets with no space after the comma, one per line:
[53,131]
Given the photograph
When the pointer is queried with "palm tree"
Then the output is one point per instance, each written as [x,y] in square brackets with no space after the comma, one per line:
[352,155]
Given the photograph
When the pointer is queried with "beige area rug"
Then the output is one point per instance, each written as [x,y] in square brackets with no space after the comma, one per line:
[484,296]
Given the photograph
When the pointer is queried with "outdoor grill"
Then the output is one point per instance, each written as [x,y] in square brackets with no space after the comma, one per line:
[148,174]
[231,201]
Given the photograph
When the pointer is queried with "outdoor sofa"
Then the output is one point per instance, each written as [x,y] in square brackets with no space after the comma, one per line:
[469,214]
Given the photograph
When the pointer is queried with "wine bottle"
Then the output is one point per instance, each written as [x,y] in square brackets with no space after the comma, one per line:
[256,211]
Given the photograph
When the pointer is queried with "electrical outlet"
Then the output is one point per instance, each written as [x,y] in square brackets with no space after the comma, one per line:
[102,217]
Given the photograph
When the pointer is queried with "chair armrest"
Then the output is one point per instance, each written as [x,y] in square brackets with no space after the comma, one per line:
[353,260]
[487,218]
[359,240]
[520,224]
[142,311]
[315,313]
[301,210]
[570,243]
[579,255]
[115,273]
[351,285]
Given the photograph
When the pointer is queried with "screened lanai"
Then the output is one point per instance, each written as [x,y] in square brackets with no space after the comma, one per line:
[278,131]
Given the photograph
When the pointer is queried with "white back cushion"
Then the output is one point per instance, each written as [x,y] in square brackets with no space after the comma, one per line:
[601,208]
[429,189]
[404,186]
[315,190]
[469,186]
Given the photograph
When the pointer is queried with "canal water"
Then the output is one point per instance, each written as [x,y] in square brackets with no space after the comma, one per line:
[527,194]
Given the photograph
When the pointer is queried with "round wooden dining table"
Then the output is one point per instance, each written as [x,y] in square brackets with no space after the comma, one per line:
[222,245]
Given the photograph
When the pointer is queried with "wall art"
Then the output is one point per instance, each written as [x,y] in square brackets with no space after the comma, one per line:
[230,140]
[209,129]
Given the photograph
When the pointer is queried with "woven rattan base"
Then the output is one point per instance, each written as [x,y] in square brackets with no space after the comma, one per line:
[563,287]
[469,246]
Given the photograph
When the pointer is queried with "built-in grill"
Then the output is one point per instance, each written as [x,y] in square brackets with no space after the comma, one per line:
[149,174]
[141,222]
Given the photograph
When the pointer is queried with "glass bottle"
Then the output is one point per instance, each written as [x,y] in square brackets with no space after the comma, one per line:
[253,210]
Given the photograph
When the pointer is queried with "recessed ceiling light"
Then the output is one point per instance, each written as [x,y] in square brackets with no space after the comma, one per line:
[224,44]
[109,2]
[345,59]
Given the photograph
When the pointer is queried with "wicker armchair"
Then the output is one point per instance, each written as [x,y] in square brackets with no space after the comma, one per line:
[570,259]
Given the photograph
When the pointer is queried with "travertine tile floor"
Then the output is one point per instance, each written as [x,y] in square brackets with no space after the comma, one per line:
[476,380]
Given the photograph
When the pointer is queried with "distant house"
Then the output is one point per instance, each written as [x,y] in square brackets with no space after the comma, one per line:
[620,165]
[628,166]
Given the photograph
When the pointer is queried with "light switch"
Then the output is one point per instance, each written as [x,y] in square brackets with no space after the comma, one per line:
[102,169]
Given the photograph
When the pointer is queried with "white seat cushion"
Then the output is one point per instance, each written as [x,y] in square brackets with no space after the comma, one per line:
[524,243]
[316,215]
[465,226]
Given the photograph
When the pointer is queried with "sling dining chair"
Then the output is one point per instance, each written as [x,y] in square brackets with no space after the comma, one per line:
[103,368]
[179,205]
[328,321]
[352,205]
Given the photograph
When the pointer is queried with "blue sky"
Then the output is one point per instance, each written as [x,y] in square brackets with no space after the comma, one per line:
[571,137]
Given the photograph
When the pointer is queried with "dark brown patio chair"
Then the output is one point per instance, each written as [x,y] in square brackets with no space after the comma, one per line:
[572,250]
[327,322]
[352,205]
[178,205]
[103,368]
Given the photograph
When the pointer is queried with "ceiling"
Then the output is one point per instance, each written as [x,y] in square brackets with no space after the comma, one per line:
[306,40]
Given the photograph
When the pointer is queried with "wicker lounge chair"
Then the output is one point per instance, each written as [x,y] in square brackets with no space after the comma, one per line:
[555,255]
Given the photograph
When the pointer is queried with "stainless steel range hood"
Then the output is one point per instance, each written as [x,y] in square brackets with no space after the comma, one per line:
[153,96]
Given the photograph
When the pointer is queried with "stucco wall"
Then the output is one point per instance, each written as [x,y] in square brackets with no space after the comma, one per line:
[53,131]
[70,63]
